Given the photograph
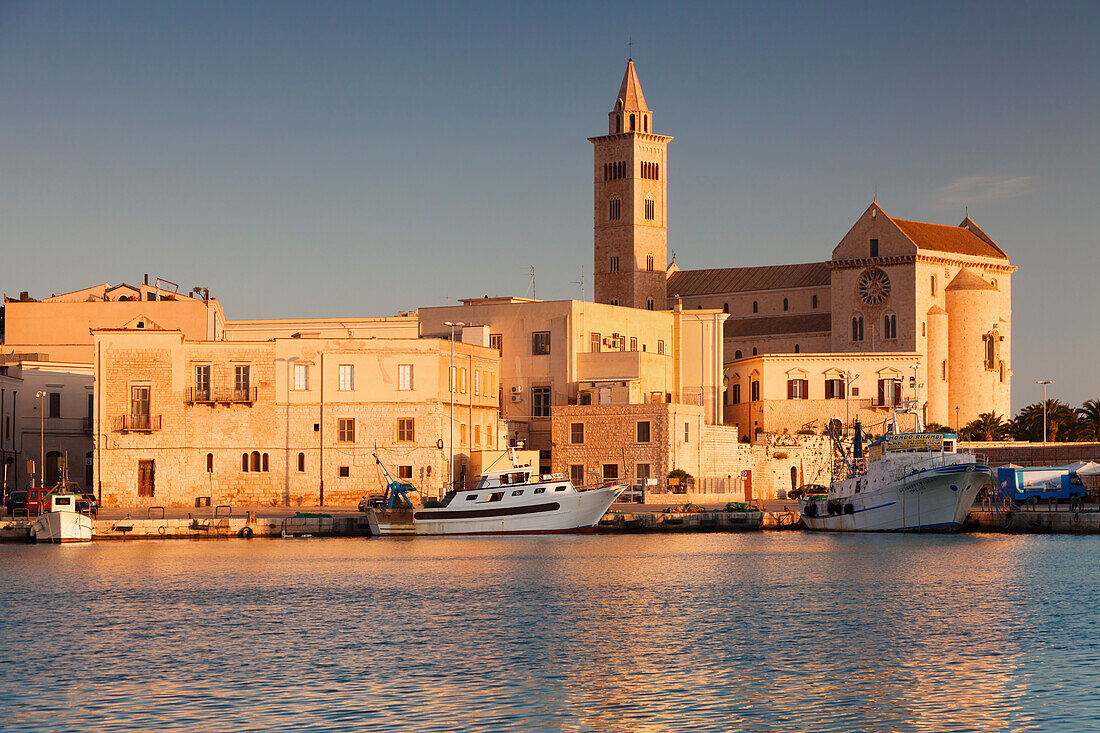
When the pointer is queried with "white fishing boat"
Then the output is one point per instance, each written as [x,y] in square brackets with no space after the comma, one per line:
[908,482]
[61,521]
[513,500]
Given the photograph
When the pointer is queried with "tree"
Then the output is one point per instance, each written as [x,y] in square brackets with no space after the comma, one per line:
[935,427]
[1062,423]
[1088,415]
[687,481]
[988,426]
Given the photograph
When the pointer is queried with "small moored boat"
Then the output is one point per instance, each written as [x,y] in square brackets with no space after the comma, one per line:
[62,522]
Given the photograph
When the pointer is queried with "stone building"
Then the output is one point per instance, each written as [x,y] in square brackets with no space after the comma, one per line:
[287,420]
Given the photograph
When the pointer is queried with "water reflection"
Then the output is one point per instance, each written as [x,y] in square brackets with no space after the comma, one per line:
[760,632]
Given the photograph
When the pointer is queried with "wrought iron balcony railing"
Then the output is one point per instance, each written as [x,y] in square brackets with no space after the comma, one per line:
[228,396]
[137,423]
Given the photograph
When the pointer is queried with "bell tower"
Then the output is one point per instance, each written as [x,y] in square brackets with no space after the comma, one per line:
[629,215]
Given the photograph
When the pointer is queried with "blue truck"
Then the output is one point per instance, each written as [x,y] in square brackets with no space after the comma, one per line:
[1032,485]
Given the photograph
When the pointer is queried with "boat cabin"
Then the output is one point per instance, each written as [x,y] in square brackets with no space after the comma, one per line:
[61,502]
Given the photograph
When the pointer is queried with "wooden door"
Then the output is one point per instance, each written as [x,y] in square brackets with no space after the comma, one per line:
[146,478]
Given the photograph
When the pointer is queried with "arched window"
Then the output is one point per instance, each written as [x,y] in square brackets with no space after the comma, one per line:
[737,354]
[814,303]
[933,286]
[786,304]
[645,123]
[754,351]
[857,328]
[244,462]
[993,282]
[649,303]
[632,123]
[797,349]
[656,171]
[210,463]
[650,208]
[254,462]
[649,263]
[890,326]
[605,171]
[265,463]
[725,307]
[618,123]
[614,263]
[614,301]
[614,208]
[923,328]
[301,463]
[755,307]
[1002,371]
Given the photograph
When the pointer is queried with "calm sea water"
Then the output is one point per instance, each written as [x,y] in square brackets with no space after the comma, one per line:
[756,632]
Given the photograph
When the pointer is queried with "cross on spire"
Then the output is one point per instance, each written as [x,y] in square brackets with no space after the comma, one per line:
[629,48]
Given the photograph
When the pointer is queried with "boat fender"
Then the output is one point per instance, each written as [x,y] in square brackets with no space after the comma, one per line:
[245,533]
[161,530]
[810,510]
[849,509]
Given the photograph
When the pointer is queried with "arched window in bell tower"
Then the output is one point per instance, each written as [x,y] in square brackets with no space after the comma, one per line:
[618,123]
[649,303]
[632,123]
[645,123]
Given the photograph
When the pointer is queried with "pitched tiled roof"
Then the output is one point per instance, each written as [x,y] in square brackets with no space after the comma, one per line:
[739,279]
[941,238]
[779,325]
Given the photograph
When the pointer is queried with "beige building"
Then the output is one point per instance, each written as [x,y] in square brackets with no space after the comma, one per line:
[287,420]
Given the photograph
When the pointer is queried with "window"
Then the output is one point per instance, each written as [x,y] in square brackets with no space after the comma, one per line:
[642,431]
[462,434]
[140,399]
[633,343]
[254,461]
[55,405]
[813,302]
[687,432]
[735,394]
[834,389]
[560,488]
[797,348]
[406,431]
[725,307]
[649,207]
[477,381]
[614,301]
[786,304]
[754,351]
[933,286]
[496,341]
[632,123]
[264,463]
[754,391]
[614,209]
[241,382]
[649,263]
[576,433]
[540,402]
[890,326]
[660,347]
[614,263]
[343,471]
[346,381]
[405,472]
[576,475]
[517,492]
[923,329]
[874,248]
[210,463]
[462,380]
[857,328]
[889,392]
[244,462]
[540,343]
[610,471]
[301,463]
[477,436]
[345,430]
[202,382]
[618,123]
[798,389]
[471,497]
[755,307]
[737,354]
[1002,370]
[540,490]
[301,376]
[649,304]
[642,472]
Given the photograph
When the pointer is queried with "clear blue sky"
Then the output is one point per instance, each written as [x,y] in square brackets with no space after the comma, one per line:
[361,158]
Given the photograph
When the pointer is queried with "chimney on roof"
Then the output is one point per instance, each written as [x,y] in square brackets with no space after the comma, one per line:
[24,296]
[146,278]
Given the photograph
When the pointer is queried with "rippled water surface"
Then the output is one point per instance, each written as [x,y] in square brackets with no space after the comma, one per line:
[756,632]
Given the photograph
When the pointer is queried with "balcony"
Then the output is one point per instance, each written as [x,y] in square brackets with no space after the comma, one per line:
[226,397]
[137,423]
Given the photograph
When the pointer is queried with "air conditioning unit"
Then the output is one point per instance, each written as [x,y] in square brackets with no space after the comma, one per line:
[517,398]
[516,389]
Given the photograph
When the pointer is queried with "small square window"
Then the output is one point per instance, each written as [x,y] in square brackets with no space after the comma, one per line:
[406,429]
[345,428]
[344,471]
[576,433]
[540,343]
[405,472]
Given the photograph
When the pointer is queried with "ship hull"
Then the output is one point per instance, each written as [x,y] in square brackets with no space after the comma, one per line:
[936,500]
[57,527]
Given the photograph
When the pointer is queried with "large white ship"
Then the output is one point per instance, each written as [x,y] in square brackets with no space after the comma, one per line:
[513,500]
[908,482]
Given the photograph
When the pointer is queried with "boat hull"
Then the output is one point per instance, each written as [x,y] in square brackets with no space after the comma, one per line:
[937,500]
[57,527]
[567,513]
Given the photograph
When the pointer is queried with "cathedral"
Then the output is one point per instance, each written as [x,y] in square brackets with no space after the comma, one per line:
[902,311]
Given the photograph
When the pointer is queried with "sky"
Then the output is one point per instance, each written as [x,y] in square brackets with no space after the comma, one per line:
[328,159]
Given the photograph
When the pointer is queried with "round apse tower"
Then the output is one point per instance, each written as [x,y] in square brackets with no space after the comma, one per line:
[972,318]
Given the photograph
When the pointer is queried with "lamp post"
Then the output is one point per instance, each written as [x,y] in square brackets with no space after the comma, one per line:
[916,396]
[1044,382]
[451,382]
[40,395]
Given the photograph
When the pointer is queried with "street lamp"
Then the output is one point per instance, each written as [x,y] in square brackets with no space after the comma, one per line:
[40,396]
[451,380]
[1044,382]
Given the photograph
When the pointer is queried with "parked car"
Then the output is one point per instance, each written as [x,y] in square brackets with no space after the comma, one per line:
[807,490]
[30,502]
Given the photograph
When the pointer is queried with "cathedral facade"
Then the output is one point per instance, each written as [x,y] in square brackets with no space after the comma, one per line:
[901,311]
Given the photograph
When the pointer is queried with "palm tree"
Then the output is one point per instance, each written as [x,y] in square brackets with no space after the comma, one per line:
[988,426]
[1062,423]
[1089,416]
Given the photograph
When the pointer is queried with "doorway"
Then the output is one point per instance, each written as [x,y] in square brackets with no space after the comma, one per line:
[146,478]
